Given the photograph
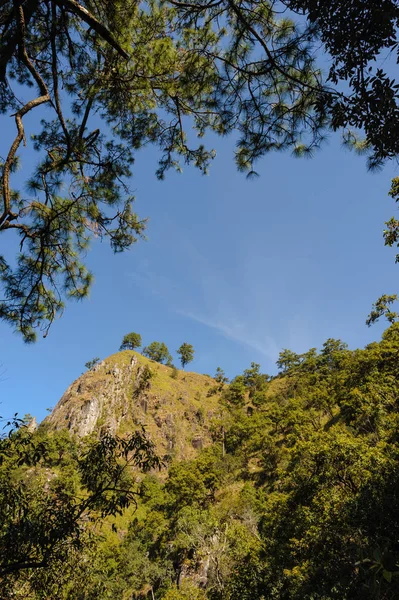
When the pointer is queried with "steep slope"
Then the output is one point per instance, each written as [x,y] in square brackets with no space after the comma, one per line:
[296,499]
[127,390]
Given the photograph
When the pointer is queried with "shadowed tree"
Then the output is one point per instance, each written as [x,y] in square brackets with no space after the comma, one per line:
[358,35]
[46,515]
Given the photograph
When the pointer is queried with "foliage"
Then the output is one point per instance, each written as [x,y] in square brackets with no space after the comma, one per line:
[235,394]
[356,34]
[92,363]
[159,352]
[382,308]
[220,376]
[54,491]
[131,341]
[391,233]
[296,499]
[288,361]
[103,80]
[221,380]
[186,353]
[144,381]
[186,592]
[255,382]
[174,373]
[329,477]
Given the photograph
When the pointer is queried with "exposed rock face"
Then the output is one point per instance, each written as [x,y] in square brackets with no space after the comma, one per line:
[128,390]
[85,422]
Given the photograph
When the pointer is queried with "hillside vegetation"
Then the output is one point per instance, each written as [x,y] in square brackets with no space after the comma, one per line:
[128,390]
[281,487]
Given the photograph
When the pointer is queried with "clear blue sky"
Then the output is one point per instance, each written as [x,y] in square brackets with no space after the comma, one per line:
[239,268]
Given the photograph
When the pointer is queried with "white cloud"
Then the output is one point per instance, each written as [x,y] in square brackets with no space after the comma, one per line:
[239,303]
[239,332]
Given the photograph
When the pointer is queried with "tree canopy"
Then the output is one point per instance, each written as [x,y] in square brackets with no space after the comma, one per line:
[295,498]
[54,490]
[92,363]
[186,353]
[131,341]
[107,78]
[159,352]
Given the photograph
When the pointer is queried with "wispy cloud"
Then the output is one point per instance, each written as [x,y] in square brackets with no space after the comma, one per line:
[238,331]
[238,304]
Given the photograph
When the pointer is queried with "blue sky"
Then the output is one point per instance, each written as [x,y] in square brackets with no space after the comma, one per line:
[239,268]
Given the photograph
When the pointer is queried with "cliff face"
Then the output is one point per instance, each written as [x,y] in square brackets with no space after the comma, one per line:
[127,390]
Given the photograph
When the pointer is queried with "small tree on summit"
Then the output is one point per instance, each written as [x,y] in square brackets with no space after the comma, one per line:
[288,361]
[186,353]
[92,363]
[131,341]
[159,352]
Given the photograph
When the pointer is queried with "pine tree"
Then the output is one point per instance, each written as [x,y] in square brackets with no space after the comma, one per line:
[148,71]
[186,353]
[159,352]
[131,341]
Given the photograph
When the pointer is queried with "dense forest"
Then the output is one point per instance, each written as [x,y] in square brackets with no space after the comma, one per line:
[295,496]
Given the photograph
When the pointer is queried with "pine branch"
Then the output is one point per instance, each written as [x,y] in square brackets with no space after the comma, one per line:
[81,12]
[45,97]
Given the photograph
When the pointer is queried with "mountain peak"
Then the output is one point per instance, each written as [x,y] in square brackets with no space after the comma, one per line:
[127,390]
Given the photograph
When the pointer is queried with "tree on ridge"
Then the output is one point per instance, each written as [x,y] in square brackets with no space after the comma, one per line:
[159,352]
[186,353]
[131,341]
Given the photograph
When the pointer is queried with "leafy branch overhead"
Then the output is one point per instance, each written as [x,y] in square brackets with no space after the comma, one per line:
[382,307]
[105,78]
[45,513]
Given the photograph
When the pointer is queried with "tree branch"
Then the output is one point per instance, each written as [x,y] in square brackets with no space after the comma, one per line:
[45,97]
[54,69]
[241,17]
[18,566]
[194,6]
[7,51]
[81,12]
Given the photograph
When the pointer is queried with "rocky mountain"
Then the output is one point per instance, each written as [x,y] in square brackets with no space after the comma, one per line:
[178,409]
[283,487]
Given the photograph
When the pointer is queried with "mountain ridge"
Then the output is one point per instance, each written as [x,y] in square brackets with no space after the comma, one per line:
[127,390]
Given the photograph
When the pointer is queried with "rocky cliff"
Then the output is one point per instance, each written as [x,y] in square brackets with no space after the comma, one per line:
[126,390]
